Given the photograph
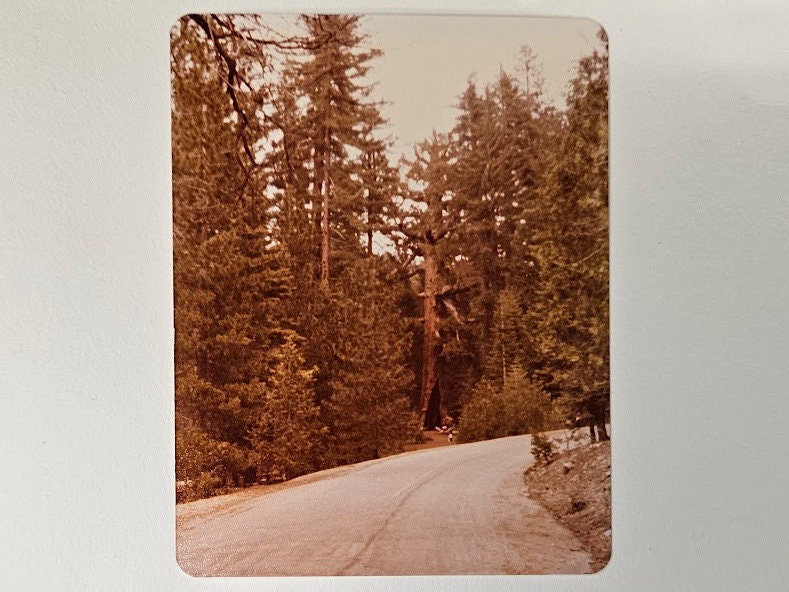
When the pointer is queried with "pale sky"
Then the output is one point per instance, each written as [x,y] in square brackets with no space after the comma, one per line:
[428,60]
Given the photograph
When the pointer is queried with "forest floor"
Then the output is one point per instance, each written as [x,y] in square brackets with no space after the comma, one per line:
[576,488]
[432,439]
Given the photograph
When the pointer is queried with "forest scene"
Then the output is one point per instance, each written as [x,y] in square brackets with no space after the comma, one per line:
[336,298]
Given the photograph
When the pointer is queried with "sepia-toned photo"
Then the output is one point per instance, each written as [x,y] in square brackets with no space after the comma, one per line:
[391,295]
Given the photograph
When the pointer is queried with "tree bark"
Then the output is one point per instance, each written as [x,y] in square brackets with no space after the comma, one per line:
[432,342]
[433,412]
[325,240]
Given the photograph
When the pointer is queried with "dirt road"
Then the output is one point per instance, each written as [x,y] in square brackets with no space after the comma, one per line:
[458,509]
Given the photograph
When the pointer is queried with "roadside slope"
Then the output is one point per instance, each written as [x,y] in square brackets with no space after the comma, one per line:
[576,489]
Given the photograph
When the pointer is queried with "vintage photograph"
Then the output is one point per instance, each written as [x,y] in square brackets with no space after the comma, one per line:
[391,295]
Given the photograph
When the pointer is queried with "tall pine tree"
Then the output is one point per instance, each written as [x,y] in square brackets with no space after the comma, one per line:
[572,245]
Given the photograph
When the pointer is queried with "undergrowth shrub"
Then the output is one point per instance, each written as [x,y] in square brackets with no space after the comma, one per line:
[542,448]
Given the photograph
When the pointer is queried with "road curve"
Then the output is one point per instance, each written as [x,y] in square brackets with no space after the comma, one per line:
[458,509]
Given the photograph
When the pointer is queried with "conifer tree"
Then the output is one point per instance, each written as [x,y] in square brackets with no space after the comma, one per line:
[286,432]
[341,121]
[572,312]
[428,225]
[510,339]
[359,342]
[518,406]
[230,276]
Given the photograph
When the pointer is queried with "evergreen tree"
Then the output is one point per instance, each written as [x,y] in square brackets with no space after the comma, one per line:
[360,342]
[433,217]
[510,338]
[231,275]
[498,166]
[482,414]
[496,169]
[204,168]
[517,407]
[286,433]
[341,121]
[572,245]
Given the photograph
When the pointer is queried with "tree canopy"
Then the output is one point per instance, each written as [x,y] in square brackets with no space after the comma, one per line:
[299,345]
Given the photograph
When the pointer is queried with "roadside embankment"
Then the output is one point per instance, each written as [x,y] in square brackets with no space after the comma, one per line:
[576,488]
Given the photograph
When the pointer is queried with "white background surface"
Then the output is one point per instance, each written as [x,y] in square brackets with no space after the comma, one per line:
[699,121]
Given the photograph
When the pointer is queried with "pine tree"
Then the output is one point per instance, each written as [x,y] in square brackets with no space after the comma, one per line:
[510,340]
[482,414]
[341,121]
[365,347]
[518,406]
[204,168]
[231,275]
[495,172]
[498,165]
[432,219]
[527,408]
[287,432]
[572,315]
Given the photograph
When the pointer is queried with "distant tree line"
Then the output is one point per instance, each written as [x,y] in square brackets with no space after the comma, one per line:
[299,345]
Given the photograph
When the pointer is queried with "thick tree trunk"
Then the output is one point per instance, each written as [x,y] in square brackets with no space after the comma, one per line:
[431,346]
[433,411]
[325,182]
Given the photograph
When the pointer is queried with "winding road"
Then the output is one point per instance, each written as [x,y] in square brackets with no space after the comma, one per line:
[459,509]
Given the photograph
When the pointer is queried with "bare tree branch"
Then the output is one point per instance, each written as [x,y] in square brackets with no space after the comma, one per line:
[410,233]
[230,80]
